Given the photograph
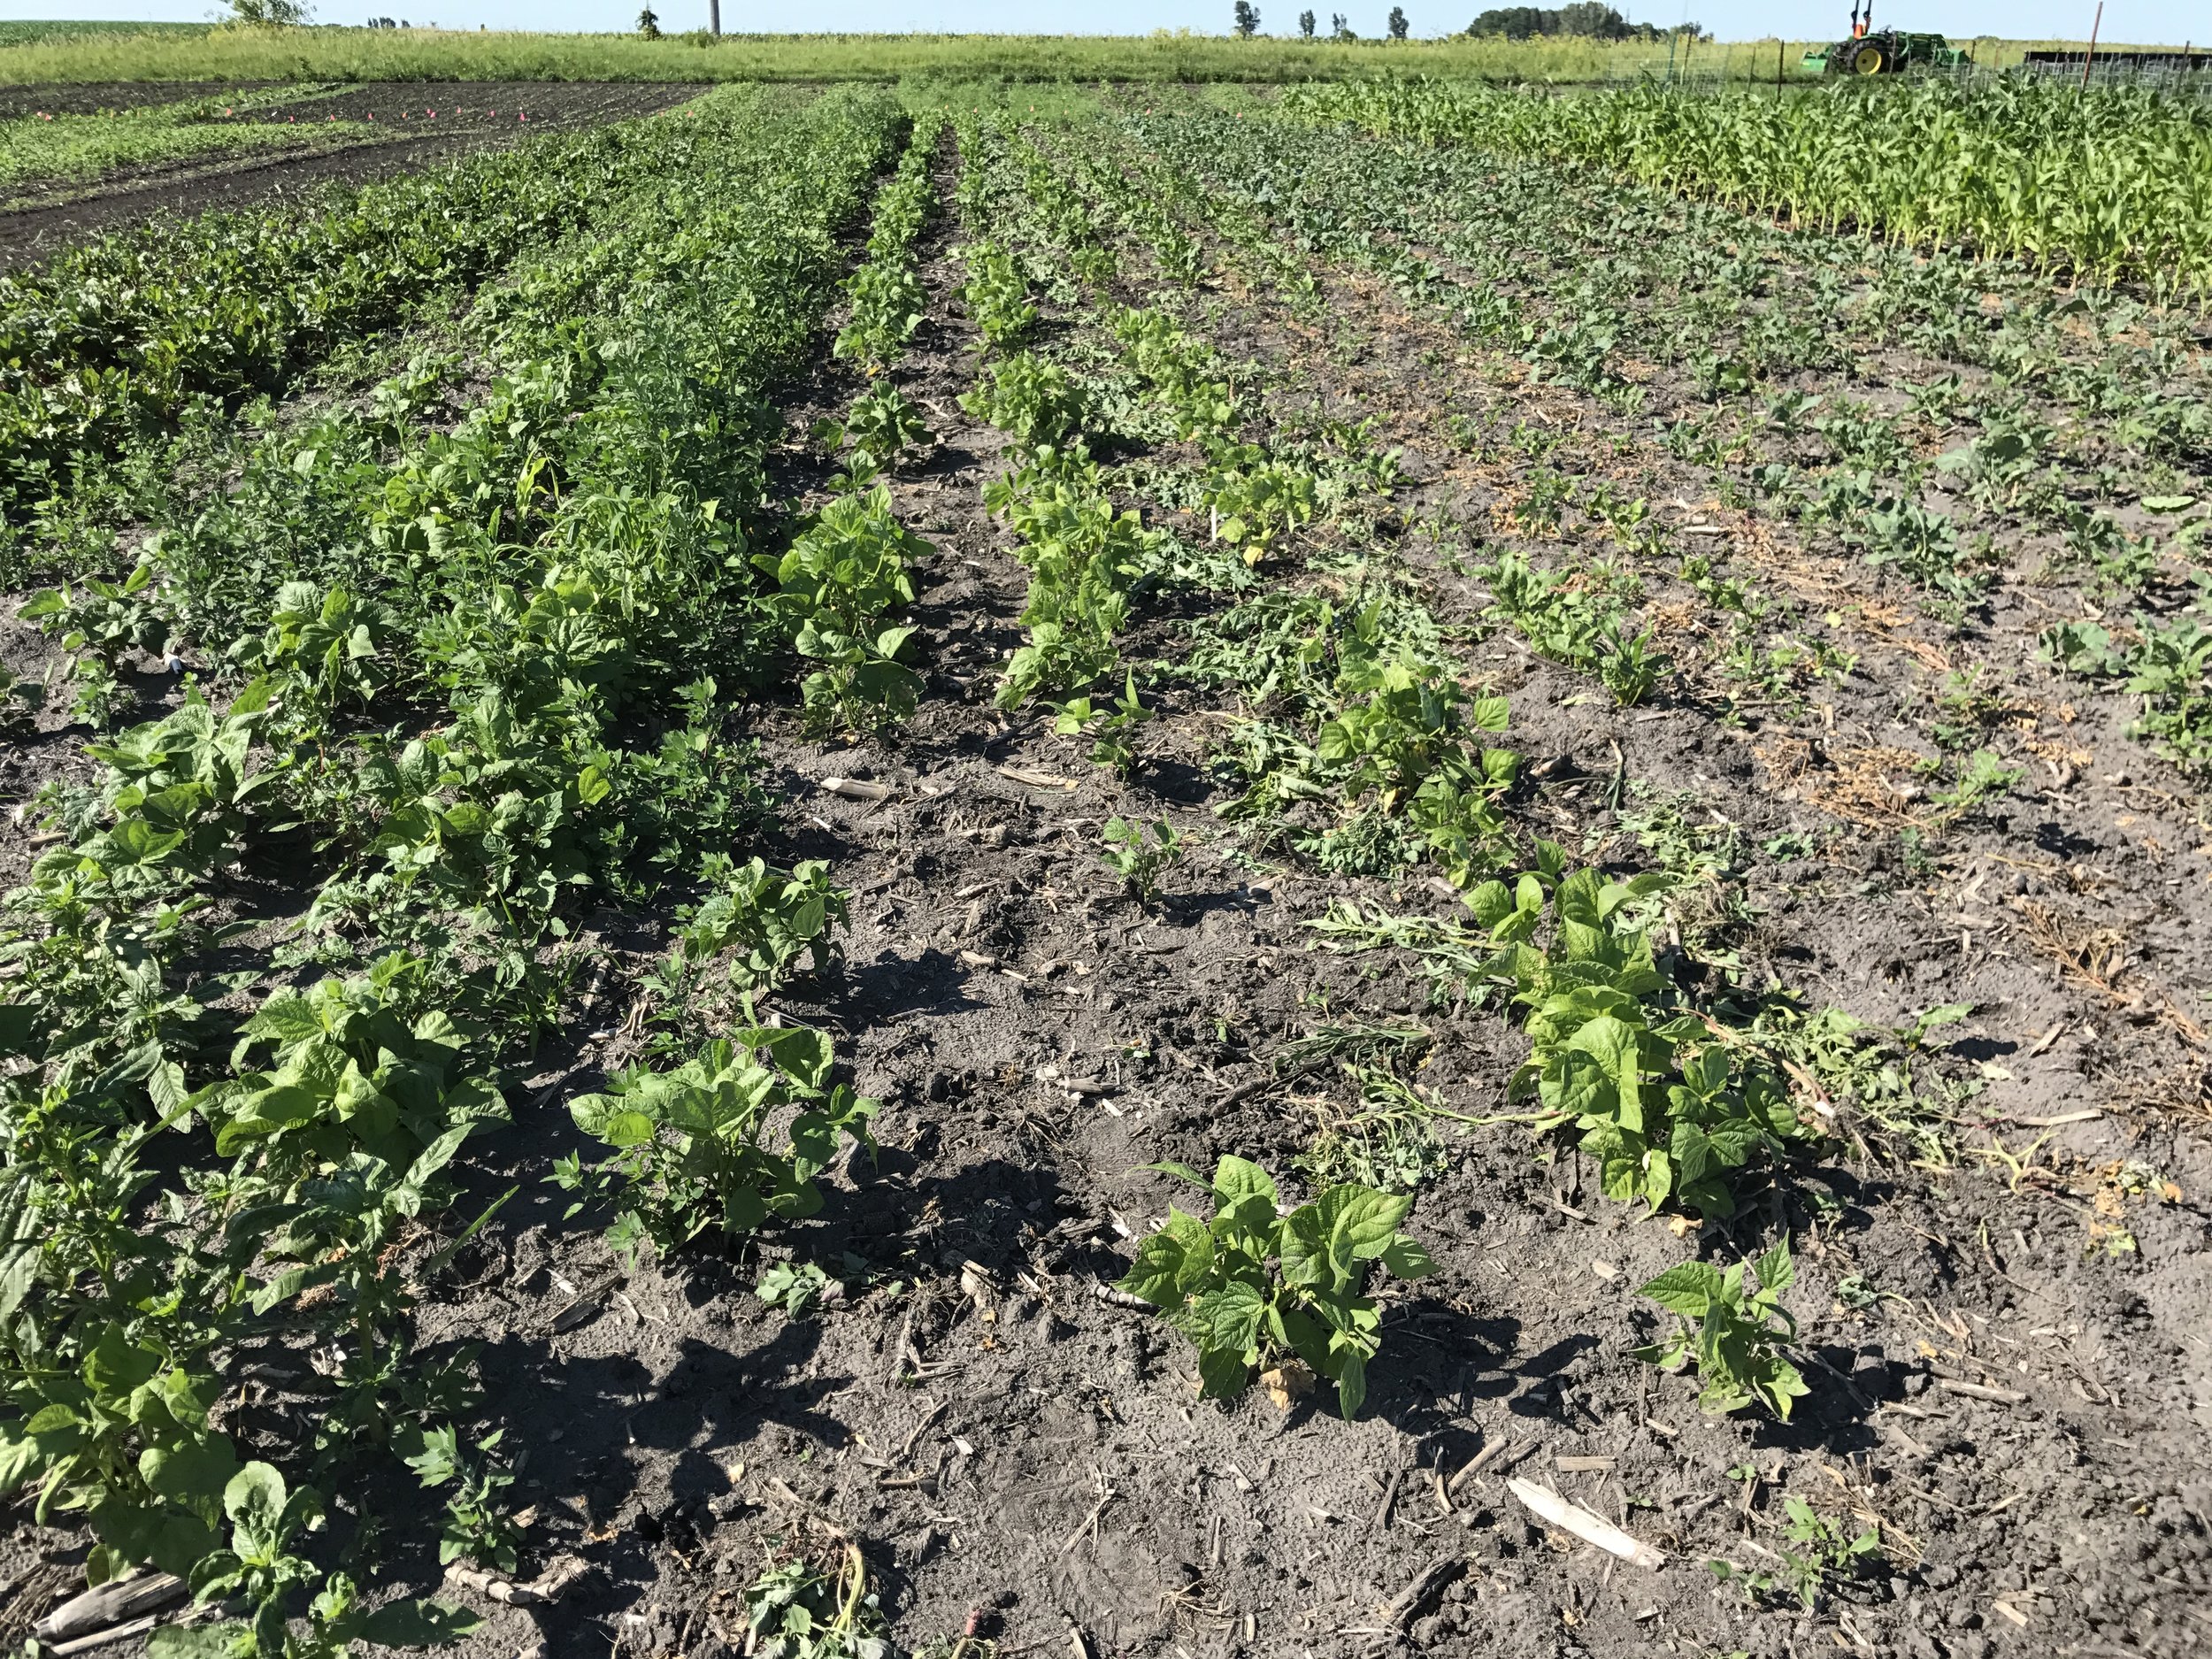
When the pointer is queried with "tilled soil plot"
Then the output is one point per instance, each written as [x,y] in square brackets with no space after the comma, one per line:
[2012,1394]
[431,121]
[91,97]
[1018,1453]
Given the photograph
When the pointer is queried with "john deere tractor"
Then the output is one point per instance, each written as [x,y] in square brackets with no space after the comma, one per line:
[1882,52]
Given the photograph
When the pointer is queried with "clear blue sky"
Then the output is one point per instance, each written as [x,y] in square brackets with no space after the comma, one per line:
[2140,20]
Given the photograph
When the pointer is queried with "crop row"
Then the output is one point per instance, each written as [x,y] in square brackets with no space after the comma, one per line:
[1970,431]
[1384,758]
[448,725]
[112,340]
[2112,184]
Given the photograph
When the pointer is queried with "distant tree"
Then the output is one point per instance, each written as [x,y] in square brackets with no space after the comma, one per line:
[649,25]
[1338,29]
[1515,23]
[1305,24]
[1397,23]
[1592,19]
[1248,20]
[271,14]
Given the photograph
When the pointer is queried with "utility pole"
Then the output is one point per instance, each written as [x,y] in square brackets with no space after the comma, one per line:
[714,18]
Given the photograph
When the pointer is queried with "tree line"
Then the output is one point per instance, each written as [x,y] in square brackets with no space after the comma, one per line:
[1591,18]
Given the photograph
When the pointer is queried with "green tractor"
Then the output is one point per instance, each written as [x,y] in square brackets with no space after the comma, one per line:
[1884,52]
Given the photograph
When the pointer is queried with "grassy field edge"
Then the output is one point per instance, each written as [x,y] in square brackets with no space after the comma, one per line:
[365,54]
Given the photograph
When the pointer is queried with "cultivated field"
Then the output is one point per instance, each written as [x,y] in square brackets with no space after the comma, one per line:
[1143,870]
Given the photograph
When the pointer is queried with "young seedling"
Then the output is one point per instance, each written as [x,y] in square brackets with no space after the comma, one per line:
[797,1288]
[477,1524]
[797,1610]
[1113,725]
[1141,858]
[1733,1328]
[1984,778]
[1825,1553]
[1253,1288]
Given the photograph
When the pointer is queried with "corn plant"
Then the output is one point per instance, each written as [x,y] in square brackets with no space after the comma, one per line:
[2016,166]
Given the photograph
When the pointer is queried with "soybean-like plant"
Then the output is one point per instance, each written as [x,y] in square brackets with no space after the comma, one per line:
[1820,1551]
[799,1609]
[765,920]
[691,1147]
[1733,1330]
[260,1574]
[1140,854]
[1254,1288]
[881,427]
[997,295]
[1112,723]
[477,1525]
[1666,1102]
[838,578]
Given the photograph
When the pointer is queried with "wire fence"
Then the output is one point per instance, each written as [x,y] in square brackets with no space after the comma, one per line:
[2188,74]
[1714,67]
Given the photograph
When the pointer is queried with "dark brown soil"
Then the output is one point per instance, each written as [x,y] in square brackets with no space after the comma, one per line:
[468,117]
[91,97]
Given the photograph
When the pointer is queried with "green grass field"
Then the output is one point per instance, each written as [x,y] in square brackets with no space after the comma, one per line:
[350,53]
[23,32]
